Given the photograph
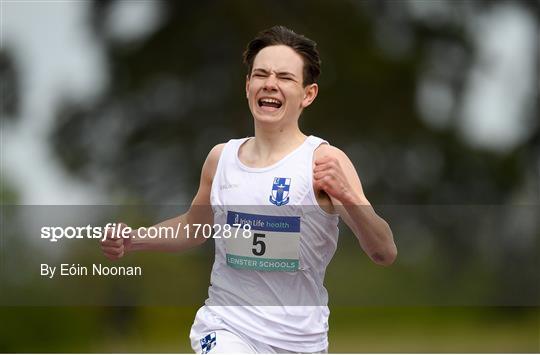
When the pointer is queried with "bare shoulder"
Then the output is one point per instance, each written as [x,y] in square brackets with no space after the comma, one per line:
[210,165]
[327,150]
[215,153]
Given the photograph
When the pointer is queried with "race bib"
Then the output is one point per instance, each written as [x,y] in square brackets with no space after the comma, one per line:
[272,245]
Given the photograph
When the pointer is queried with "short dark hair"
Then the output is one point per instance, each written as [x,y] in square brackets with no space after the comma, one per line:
[280,35]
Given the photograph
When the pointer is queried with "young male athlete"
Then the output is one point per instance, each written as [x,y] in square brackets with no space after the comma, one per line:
[267,293]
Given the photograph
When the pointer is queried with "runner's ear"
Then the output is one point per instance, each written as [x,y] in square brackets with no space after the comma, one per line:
[310,93]
[247,86]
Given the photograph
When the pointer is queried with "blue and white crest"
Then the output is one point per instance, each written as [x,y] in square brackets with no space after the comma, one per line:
[280,191]
[208,342]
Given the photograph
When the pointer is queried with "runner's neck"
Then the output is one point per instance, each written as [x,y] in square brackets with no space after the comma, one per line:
[267,148]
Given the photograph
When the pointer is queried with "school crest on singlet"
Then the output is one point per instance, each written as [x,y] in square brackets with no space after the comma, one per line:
[280,191]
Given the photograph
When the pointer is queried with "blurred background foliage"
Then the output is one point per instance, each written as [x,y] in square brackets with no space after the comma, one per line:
[178,92]
[400,93]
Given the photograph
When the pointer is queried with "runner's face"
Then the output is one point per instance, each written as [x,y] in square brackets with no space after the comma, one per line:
[274,88]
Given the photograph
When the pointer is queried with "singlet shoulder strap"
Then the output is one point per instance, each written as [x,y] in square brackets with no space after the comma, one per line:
[230,151]
[314,142]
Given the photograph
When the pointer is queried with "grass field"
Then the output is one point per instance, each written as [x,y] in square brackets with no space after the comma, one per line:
[376,329]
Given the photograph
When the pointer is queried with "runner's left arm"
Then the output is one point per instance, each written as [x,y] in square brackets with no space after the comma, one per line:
[335,174]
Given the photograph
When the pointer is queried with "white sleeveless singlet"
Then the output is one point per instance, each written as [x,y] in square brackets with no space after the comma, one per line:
[269,284]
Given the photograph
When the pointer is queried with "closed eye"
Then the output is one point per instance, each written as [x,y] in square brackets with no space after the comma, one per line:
[288,78]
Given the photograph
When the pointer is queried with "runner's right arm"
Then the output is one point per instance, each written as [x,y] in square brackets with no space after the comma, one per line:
[200,212]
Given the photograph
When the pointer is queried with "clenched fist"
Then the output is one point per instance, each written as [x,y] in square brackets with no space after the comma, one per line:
[328,175]
[115,247]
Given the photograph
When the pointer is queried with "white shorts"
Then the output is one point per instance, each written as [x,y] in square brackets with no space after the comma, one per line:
[210,335]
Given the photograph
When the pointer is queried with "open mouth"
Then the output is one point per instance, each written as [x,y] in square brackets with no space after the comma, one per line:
[271,103]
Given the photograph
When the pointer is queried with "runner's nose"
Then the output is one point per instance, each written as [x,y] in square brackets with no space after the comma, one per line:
[270,84]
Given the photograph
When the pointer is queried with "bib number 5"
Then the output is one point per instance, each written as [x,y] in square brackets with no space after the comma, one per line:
[273,243]
[258,242]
